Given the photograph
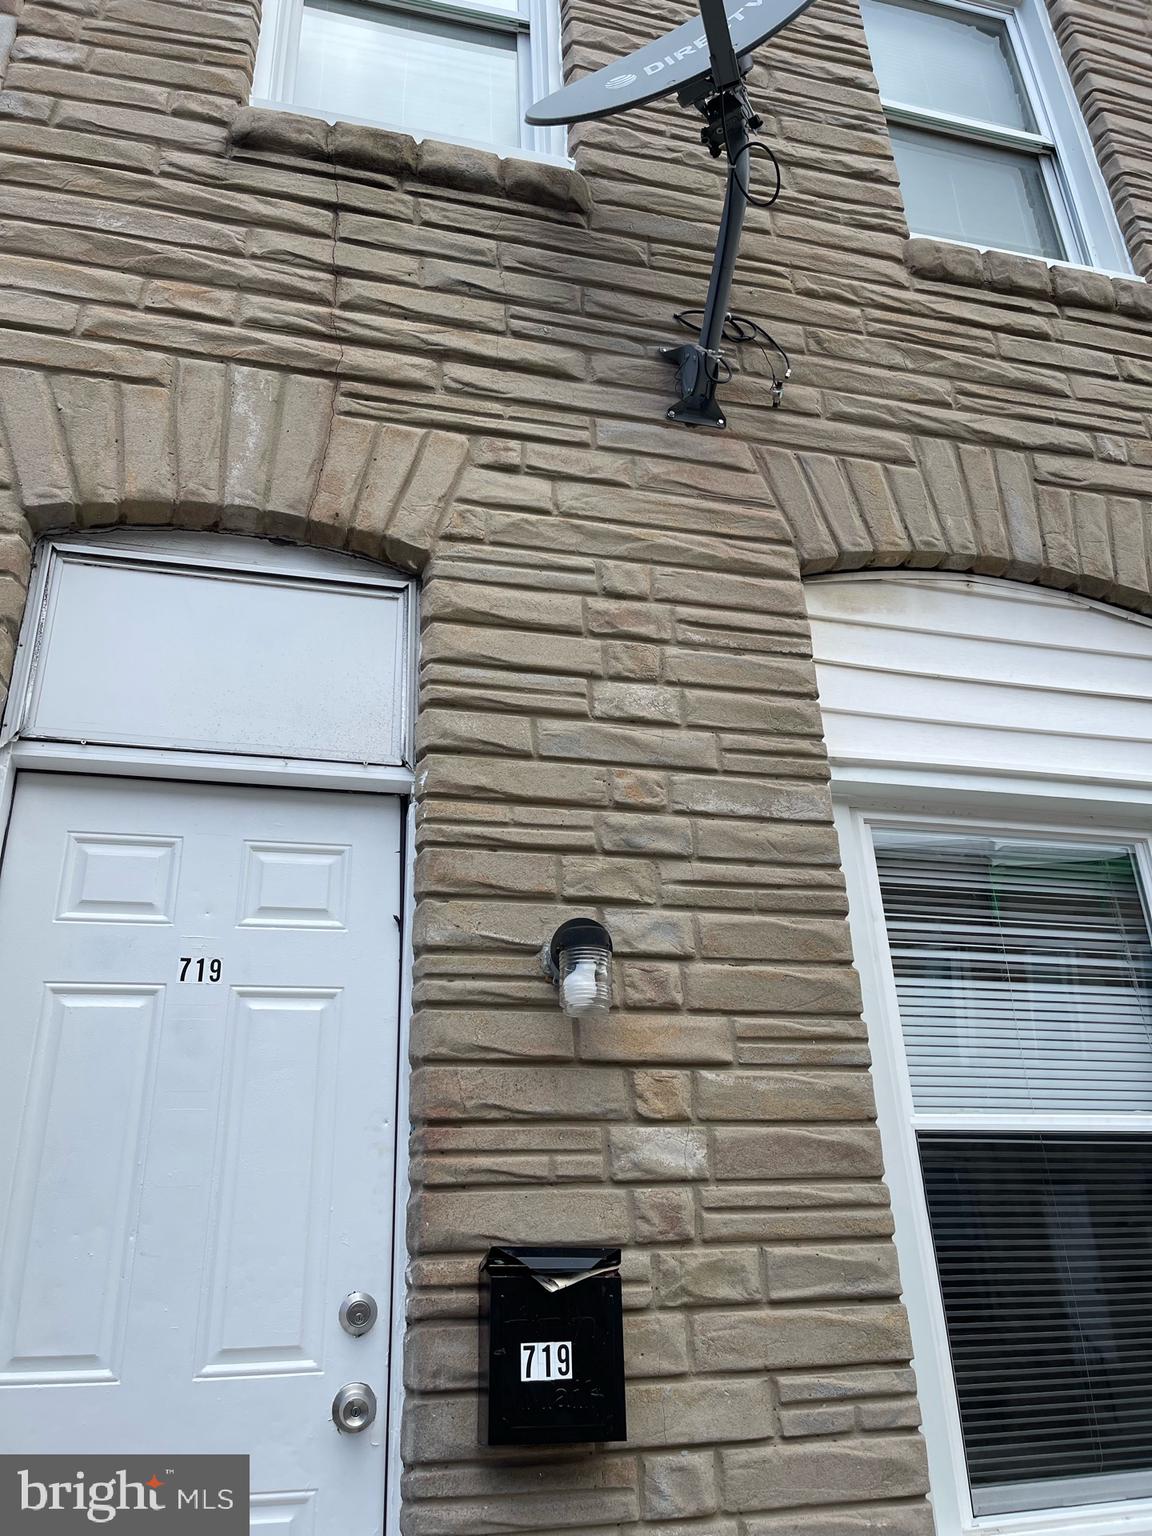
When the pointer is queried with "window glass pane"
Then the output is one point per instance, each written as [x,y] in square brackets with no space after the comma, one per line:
[1023,972]
[960,190]
[955,62]
[1044,1248]
[412,72]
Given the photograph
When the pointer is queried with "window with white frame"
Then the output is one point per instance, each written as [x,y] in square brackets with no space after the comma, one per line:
[991,754]
[465,71]
[988,138]
[1018,973]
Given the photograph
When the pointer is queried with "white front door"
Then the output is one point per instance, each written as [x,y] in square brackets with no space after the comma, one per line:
[198,1033]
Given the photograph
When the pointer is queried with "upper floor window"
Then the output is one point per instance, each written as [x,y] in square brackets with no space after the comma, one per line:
[988,138]
[466,71]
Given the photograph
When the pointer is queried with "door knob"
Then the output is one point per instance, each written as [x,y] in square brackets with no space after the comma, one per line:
[354,1408]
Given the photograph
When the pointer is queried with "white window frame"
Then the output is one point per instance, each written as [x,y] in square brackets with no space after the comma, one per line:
[1081,203]
[1019,809]
[535,24]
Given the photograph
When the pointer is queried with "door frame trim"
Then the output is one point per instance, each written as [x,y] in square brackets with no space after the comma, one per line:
[164,547]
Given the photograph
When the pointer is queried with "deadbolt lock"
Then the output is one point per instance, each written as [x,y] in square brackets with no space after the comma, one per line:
[354,1408]
[358,1313]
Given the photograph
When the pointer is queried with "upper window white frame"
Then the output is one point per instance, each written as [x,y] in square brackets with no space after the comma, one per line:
[534,24]
[1081,203]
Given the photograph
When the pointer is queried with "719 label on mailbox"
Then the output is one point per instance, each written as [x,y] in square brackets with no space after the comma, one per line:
[546,1362]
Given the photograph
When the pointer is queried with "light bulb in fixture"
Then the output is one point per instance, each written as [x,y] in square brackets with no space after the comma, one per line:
[578,989]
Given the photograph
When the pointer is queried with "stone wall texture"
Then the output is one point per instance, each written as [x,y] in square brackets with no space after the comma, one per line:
[225,319]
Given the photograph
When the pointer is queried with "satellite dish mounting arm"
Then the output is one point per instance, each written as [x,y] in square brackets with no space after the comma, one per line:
[730,123]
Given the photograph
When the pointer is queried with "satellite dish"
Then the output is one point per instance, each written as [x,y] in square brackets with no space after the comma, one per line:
[705,62]
[669,64]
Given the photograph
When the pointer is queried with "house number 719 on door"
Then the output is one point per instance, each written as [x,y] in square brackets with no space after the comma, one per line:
[196,968]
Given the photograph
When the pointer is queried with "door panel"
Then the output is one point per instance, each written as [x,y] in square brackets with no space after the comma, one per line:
[200,987]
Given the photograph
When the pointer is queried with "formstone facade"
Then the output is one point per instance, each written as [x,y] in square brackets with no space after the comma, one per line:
[224,318]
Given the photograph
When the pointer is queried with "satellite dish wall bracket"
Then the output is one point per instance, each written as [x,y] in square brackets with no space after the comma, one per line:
[700,365]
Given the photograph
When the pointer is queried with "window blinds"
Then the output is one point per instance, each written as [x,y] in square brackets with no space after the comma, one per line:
[1023,972]
[1044,1251]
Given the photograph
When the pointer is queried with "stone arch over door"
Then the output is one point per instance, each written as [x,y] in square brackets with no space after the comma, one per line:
[201,445]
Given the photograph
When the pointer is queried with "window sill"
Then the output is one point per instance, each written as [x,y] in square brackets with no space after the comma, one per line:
[946,261]
[365,147]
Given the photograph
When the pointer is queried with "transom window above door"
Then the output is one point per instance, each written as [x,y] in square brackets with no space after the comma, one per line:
[466,71]
[988,138]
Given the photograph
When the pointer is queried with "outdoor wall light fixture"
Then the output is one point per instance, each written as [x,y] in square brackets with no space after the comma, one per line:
[578,958]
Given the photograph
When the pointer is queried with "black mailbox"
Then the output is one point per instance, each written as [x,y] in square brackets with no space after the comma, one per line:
[552,1346]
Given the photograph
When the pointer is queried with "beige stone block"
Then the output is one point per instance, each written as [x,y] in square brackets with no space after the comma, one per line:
[944,261]
[479,645]
[517,1093]
[643,931]
[608,879]
[639,1153]
[641,791]
[537,783]
[618,579]
[475,602]
[664,1214]
[900,1415]
[807,1423]
[773,938]
[649,985]
[623,833]
[474,925]
[679,1486]
[767,1096]
[729,796]
[706,1278]
[149,479]
[655,1344]
[441,1359]
[620,619]
[481,872]
[698,1412]
[781,1476]
[472,731]
[29,418]
[625,659]
[796,1337]
[766,842]
[662,1095]
[772,989]
[425,501]
[753,1152]
[648,1040]
[471,1220]
[844,1386]
[636,701]
[491,1034]
[90,418]
[643,747]
[848,1270]
[909,1519]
